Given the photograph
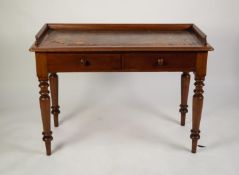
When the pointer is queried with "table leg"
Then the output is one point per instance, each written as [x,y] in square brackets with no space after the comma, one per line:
[45,113]
[54,96]
[197,110]
[185,81]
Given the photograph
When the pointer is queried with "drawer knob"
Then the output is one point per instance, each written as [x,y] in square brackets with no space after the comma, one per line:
[160,61]
[84,62]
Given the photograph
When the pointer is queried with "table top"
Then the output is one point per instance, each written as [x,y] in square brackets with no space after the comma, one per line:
[120,37]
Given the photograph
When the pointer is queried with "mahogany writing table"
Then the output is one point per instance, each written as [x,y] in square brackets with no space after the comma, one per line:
[120,48]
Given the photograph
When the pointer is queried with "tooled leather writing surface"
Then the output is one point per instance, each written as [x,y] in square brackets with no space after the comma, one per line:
[69,38]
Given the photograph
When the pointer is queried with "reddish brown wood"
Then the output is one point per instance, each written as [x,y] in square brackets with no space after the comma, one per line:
[120,48]
[115,27]
[120,37]
[185,81]
[45,112]
[200,73]
[201,36]
[54,96]
[44,100]
[72,62]
[40,34]
[160,61]
[197,111]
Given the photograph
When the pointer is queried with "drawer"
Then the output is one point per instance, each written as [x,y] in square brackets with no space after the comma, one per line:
[64,62]
[159,61]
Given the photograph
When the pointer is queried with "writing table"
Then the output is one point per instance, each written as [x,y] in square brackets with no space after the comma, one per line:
[120,48]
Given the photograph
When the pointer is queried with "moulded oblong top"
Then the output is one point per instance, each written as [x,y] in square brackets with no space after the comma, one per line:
[120,37]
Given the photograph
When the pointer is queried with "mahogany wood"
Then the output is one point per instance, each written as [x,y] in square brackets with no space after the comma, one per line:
[120,37]
[200,73]
[75,62]
[44,100]
[176,61]
[45,112]
[54,96]
[185,81]
[120,48]
[201,36]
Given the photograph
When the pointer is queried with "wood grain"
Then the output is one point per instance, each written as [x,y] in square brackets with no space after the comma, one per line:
[144,62]
[121,48]
[72,62]
[54,96]
[185,81]
[121,37]
[199,76]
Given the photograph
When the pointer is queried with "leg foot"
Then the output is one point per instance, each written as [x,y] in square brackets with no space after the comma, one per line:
[47,138]
[195,137]
[183,110]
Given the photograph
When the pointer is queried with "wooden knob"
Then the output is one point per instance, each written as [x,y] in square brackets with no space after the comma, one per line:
[84,62]
[160,61]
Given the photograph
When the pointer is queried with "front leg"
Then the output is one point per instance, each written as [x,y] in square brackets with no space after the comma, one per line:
[197,111]
[45,113]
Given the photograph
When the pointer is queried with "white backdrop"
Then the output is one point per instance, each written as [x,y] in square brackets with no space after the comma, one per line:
[111,116]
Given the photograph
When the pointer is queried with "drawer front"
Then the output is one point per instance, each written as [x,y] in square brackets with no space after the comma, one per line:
[159,61]
[83,62]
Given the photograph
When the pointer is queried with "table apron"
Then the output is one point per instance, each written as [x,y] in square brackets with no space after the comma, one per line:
[121,62]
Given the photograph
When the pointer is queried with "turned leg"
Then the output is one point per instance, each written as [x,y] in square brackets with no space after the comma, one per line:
[185,81]
[197,110]
[54,96]
[45,113]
